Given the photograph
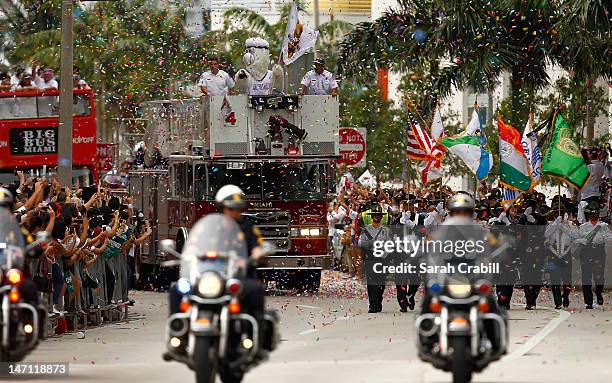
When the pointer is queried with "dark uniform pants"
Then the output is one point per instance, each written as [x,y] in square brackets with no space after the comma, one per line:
[505,282]
[560,271]
[593,265]
[376,290]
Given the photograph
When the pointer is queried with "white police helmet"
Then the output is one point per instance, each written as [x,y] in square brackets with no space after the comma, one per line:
[461,202]
[230,196]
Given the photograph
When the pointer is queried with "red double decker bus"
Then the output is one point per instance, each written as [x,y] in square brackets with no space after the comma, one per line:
[29,122]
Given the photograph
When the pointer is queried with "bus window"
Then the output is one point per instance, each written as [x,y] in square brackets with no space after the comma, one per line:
[7,105]
[82,177]
[17,107]
[81,106]
[48,106]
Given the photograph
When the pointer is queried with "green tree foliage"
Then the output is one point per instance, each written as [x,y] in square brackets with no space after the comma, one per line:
[362,107]
[469,44]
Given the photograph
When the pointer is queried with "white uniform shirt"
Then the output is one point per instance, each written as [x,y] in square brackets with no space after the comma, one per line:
[320,84]
[592,188]
[558,236]
[408,219]
[217,84]
[42,84]
[603,234]
[333,218]
[15,81]
[261,87]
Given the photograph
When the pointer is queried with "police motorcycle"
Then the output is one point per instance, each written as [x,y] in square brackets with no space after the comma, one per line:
[460,328]
[211,334]
[22,324]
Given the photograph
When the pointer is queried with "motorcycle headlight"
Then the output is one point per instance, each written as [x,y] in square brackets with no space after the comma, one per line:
[459,290]
[210,285]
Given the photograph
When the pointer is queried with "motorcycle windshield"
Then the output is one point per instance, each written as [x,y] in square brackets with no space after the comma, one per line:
[214,241]
[11,240]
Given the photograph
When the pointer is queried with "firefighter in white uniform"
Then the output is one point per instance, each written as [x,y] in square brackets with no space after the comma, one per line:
[319,81]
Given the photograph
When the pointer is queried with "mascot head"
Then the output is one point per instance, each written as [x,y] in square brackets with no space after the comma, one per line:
[257,57]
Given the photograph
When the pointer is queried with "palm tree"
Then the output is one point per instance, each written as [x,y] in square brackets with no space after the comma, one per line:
[19,19]
[583,48]
[467,45]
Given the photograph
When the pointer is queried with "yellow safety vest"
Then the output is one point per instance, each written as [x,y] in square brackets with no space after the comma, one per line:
[367,218]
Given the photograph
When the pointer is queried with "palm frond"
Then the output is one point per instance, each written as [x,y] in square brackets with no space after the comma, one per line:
[242,18]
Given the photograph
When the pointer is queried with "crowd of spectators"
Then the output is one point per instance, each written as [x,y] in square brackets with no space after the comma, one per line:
[90,259]
[38,78]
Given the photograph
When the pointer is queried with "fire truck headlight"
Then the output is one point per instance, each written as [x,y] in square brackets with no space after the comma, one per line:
[315,232]
[295,231]
[210,285]
[304,232]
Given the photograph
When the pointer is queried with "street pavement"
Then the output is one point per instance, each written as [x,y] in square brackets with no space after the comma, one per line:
[330,337]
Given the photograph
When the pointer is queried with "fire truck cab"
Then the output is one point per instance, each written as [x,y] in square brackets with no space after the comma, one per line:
[281,150]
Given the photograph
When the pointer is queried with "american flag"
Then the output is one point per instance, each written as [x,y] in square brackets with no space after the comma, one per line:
[424,141]
[421,147]
[413,149]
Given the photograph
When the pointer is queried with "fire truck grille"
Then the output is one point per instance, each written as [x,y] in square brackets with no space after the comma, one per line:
[274,227]
[321,148]
[228,148]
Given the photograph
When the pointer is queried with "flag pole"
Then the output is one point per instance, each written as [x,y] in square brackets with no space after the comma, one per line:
[408,173]
[559,198]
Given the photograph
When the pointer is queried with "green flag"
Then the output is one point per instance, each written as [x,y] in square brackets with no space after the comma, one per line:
[563,159]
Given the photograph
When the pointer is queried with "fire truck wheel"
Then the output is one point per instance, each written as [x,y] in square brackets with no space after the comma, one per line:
[309,280]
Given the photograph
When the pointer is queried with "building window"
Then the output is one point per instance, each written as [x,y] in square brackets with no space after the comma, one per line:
[343,6]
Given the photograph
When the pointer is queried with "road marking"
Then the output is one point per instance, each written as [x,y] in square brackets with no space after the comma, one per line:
[537,338]
[309,331]
[308,307]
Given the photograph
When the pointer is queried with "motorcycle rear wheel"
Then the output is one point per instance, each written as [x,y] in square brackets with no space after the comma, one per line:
[460,362]
[205,363]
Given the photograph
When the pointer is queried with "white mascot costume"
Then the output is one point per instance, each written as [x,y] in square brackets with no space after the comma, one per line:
[257,79]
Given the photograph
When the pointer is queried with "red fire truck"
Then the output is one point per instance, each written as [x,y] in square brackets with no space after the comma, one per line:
[29,122]
[280,150]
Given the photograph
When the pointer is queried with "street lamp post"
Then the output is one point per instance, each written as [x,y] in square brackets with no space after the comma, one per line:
[64,144]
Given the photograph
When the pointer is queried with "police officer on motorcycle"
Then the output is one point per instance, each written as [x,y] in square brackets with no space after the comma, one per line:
[230,201]
[460,328]
[461,208]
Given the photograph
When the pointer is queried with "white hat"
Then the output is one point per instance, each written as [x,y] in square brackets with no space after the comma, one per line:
[256,42]
[230,196]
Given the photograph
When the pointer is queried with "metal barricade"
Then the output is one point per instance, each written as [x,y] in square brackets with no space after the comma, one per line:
[82,295]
